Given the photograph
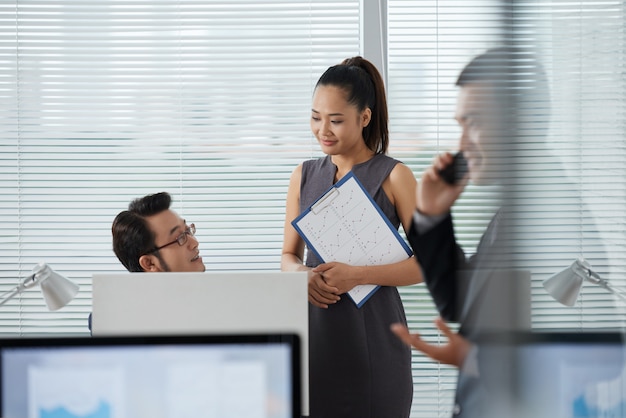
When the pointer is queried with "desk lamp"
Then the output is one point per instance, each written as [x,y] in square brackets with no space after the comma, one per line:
[57,290]
[565,285]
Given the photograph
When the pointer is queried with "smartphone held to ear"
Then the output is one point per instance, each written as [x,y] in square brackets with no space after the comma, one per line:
[456,171]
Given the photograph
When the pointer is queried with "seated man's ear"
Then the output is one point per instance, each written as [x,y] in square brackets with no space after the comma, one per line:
[150,263]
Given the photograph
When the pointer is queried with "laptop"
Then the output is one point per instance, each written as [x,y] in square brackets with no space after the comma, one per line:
[555,374]
[219,376]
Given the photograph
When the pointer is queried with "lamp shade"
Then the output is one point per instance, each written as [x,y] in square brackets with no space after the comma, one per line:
[57,290]
[565,285]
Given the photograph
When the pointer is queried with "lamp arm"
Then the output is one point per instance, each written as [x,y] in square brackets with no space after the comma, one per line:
[596,279]
[27,283]
[7,296]
[617,291]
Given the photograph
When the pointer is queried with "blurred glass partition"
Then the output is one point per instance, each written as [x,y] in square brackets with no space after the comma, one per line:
[562,178]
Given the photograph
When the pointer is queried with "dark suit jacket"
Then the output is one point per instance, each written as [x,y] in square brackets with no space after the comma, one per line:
[483,294]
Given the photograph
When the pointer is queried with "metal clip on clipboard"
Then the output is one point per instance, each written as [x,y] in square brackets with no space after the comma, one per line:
[325,201]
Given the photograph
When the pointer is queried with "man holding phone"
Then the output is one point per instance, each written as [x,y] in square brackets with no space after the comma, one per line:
[492,111]
[485,114]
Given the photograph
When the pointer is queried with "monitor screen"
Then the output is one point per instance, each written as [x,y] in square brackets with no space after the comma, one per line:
[556,374]
[170,377]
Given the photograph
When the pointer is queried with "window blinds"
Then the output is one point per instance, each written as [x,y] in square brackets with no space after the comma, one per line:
[102,102]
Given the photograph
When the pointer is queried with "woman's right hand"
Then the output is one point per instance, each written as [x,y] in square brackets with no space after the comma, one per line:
[320,293]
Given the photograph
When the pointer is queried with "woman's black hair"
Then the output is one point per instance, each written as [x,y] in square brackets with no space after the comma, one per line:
[364,88]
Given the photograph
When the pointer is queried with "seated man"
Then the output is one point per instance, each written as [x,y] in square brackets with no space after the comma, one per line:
[150,237]
[145,237]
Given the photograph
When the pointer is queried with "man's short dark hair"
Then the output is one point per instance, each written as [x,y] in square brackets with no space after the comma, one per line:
[132,237]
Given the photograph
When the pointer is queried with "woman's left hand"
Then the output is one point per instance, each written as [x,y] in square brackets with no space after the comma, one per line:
[340,275]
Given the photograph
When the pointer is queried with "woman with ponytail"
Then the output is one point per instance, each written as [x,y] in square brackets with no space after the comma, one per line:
[358,368]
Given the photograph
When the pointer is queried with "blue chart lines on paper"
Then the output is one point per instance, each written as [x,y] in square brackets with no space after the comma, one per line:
[344,205]
[315,230]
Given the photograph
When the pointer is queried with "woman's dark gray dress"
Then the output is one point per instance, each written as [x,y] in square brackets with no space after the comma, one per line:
[358,368]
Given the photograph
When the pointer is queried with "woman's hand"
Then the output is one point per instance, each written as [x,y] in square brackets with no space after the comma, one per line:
[321,294]
[340,276]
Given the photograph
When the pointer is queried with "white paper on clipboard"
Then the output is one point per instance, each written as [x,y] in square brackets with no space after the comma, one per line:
[346,225]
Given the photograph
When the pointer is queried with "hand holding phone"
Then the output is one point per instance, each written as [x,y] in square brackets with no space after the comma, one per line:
[456,171]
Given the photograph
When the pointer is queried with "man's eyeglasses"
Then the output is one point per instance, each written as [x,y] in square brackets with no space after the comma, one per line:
[181,239]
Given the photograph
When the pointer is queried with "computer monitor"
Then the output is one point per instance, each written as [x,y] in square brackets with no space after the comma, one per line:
[246,302]
[219,376]
[554,374]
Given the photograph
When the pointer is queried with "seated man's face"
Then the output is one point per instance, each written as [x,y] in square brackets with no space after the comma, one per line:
[167,226]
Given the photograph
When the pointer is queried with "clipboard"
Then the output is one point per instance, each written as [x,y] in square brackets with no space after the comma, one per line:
[346,225]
